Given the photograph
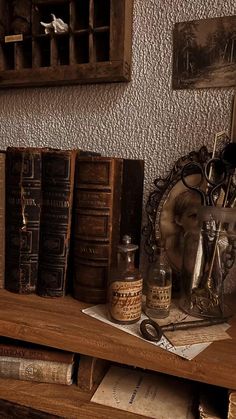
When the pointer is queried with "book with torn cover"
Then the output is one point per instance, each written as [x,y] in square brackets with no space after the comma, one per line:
[149,394]
[23,209]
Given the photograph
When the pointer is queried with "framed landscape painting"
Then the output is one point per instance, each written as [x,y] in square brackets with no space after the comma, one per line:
[204,53]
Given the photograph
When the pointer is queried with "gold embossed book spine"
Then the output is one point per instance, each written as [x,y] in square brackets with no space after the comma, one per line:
[2,218]
[23,206]
[58,167]
[108,201]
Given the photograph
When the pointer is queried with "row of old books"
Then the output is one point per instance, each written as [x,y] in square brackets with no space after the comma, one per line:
[65,212]
[27,361]
[30,362]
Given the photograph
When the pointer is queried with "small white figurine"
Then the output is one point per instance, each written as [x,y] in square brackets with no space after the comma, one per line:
[57,25]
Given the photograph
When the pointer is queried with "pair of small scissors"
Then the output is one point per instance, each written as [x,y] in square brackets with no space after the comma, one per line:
[207,187]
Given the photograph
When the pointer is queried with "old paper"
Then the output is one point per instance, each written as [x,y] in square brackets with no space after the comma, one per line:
[192,336]
[153,395]
[185,351]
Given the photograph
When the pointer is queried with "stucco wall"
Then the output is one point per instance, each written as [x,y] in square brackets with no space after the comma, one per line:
[141,119]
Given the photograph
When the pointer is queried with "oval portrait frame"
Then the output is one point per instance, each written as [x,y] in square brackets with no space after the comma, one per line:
[157,201]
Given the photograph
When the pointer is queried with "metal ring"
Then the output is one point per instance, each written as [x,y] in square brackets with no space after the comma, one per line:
[146,334]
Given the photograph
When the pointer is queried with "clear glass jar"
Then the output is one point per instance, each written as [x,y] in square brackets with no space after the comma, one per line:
[208,257]
[159,284]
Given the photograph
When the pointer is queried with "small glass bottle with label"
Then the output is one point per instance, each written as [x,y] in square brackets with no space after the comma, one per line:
[125,287]
[159,285]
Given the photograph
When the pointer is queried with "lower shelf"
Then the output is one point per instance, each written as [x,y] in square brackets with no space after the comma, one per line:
[64,401]
[60,323]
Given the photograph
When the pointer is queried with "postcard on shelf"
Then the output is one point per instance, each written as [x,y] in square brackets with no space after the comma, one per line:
[147,394]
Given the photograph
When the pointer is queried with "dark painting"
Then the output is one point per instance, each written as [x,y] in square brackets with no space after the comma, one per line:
[204,53]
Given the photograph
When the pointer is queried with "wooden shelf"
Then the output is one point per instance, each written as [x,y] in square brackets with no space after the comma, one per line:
[65,401]
[59,323]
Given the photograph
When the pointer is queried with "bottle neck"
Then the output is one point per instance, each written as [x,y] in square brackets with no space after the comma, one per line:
[126,261]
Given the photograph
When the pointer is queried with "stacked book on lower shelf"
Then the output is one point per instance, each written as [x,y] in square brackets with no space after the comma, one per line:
[22,361]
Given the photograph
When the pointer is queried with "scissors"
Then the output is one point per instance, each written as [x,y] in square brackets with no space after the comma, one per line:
[208,188]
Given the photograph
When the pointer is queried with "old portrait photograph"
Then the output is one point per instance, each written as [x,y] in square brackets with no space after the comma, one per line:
[204,53]
[178,217]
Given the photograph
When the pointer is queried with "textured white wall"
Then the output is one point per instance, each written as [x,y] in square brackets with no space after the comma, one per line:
[141,119]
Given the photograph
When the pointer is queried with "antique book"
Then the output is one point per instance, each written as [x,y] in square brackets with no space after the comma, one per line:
[19,349]
[107,205]
[148,394]
[2,218]
[36,370]
[23,205]
[58,167]
[90,372]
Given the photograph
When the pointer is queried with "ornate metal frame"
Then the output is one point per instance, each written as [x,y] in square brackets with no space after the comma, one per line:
[158,197]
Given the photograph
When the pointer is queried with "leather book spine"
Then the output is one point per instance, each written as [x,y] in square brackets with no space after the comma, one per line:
[17,351]
[57,198]
[23,205]
[101,200]
[2,218]
[36,370]
[96,225]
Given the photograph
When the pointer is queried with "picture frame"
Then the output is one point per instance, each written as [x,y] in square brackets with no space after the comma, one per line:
[161,221]
[204,53]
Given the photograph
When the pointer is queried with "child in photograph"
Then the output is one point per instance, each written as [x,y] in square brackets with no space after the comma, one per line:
[185,209]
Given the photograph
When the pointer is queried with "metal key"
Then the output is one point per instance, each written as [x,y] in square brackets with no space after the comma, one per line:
[159,330]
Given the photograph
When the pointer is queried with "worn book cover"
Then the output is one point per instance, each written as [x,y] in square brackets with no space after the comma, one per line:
[149,394]
[36,370]
[2,218]
[58,168]
[19,349]
[107,205]
[23,207]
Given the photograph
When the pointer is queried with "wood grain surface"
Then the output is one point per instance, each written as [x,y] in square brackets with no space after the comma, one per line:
[59,323]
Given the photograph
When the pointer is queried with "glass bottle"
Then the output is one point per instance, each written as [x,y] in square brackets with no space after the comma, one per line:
[159,285]
[125,287]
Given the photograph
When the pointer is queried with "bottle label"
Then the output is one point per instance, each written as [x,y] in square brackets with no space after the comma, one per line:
[158,297]
[125,300]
